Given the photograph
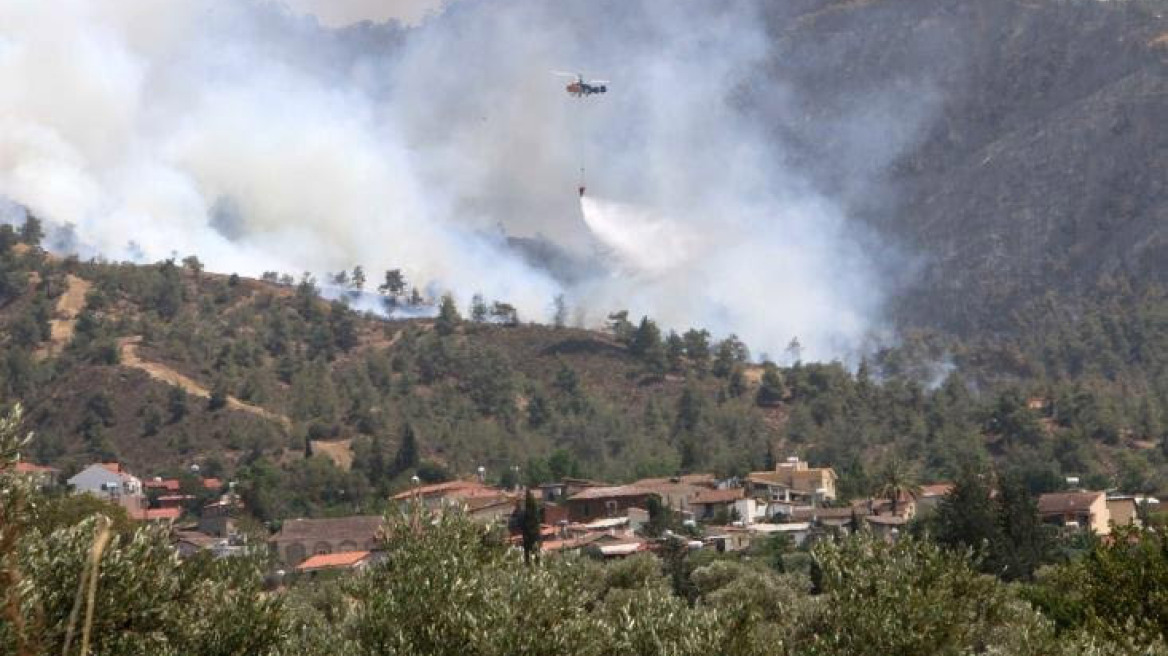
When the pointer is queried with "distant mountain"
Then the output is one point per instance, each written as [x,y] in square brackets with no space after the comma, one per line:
[1038,159]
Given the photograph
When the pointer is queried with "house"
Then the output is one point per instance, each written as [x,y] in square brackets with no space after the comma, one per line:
[793,480]
[599,502]
[930,496]
[750,510]
[1123,510]
[708,504]
[345,560]
[568,487]
[675,496]
[41,476]
[218,517]
[174,500]
[491,509]
[299,539]
[906,506]
[165,516]
[162,485]
[441,495]
[613,546]
[887,527]
[797,531]
[841,518]
[699,480]
[189,543]
[1076,510]
[112,483]
[728,538]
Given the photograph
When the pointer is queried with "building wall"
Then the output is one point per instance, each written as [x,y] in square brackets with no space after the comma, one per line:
[293,552]
[1100,517]
[1122,512]
[586,510]
[127,493]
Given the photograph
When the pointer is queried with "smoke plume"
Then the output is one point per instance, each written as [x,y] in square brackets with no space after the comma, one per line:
[289,135]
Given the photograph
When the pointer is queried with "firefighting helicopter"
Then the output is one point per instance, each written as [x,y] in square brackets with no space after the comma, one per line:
[581,87]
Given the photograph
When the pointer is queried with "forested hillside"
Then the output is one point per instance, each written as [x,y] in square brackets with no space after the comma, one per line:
[309,403]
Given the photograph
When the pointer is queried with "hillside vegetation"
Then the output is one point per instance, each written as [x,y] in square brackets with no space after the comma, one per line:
[309,403]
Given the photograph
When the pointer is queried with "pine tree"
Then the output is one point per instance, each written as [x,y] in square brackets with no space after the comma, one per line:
[770,392]
[478,309]
[646,339]
[394,285]
[690,409]
[736,385]
[620,327]
[448,317]
[967,517]
[530,526]
[32,232]
[675,352]
[560,316]
[697,348]
[218,398]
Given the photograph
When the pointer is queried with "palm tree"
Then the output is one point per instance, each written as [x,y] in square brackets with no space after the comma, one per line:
[896,481]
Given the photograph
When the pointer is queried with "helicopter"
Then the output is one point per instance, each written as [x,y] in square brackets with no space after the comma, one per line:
[582,87]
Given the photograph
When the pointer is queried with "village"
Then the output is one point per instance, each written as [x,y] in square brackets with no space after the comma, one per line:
[599,519]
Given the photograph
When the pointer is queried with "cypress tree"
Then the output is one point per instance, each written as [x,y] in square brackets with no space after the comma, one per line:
[407,452]
[1023,542]
[530,526]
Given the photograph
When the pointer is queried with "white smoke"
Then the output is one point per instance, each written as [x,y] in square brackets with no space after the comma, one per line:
[260,138]
[339,13]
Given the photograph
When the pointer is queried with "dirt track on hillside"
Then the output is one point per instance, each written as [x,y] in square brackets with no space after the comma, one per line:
[64,321]
[130,357]
[339,451]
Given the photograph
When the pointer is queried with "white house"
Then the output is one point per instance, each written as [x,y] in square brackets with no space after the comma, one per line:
[112,483]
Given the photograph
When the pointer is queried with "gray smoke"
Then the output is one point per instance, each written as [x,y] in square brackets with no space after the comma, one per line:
[263,136]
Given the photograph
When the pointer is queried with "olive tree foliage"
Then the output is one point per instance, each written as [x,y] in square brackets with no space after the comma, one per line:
[915,597]
[448,585]
[61,593]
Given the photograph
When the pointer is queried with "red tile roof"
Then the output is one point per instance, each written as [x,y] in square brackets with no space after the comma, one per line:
[212,484]
[718,496]
[29,468]
[168,484]
[152,514]
[935,490]
[113,466]
[330,561]
[450,488]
